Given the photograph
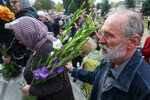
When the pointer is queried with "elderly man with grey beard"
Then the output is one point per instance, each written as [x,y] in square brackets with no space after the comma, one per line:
[125,74]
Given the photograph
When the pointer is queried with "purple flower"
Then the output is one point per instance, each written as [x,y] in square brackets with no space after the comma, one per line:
[48,54]
[58,70]
[62,46]
[56,61]
[54,70]
[37,73]
[51,76]
[69,51]
[63,62]
[51,64]
[44,72]
[63,56]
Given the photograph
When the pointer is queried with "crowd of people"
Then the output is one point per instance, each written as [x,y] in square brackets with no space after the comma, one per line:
[111,66]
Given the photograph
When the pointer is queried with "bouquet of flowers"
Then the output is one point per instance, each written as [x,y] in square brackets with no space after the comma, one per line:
[6,15]
[63,54]
[11,70]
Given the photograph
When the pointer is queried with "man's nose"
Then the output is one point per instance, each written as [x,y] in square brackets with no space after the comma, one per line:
[102,40]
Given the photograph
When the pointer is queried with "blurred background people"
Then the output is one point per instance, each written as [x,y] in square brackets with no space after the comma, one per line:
[90,61]
[42,17]
[55,27]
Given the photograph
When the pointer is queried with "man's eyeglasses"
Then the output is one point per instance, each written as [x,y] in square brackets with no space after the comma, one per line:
[106,35]
[13,2]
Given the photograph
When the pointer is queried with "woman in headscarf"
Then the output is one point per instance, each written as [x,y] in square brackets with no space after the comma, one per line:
[20,52]
[23,8]
[34,34]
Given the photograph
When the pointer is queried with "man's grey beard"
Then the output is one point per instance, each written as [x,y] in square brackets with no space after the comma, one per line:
[117,52]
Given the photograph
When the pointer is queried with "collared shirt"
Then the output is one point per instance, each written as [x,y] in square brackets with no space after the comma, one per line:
[110,76]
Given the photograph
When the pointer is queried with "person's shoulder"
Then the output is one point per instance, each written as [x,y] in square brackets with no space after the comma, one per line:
[148,38]
[143,72]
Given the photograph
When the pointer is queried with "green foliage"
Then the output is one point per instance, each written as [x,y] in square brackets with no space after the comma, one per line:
[58,7]
[99,6]
[78,3]
[72,7]
[31,98]
[105,7]
[87,6]
[146,8]
[66,4]
[10,71]
[116,4]
[91,3]
[44,4]
[130,3]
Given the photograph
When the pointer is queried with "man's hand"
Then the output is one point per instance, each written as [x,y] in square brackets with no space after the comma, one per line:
[6,60]
[69,66]
[25,90]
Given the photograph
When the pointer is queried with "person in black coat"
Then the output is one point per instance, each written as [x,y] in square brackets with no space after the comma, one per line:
[6,35]
[42,17]
[19,52]
[55,27]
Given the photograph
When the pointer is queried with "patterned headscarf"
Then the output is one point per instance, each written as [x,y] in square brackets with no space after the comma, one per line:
[31,31]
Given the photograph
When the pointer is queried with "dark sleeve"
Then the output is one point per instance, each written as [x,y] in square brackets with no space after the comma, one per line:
[49,26]
[87,76]
[15,45]
[51,86]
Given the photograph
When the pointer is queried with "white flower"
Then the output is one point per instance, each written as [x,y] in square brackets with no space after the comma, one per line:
[52,53]
[8,26]
[57,44]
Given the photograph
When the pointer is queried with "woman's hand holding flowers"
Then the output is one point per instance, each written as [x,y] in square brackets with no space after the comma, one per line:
[6,60]
[25,90]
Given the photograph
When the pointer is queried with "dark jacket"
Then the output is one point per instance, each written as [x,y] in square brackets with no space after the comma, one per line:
[31,12]
[6,37]
[57,88]
[49,26]
[56,29]
[132,84]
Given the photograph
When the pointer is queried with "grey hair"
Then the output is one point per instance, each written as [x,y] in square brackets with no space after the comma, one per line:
[135,23]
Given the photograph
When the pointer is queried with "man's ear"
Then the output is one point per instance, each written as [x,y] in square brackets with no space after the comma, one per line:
[133,41]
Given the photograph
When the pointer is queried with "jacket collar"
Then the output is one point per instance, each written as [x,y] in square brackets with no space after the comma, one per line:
[124,80]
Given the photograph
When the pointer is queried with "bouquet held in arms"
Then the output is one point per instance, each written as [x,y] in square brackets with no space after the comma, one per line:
[63,54]
[11,70]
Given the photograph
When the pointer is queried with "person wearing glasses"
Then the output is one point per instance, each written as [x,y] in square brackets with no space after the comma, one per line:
[19,52]
[125,74]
